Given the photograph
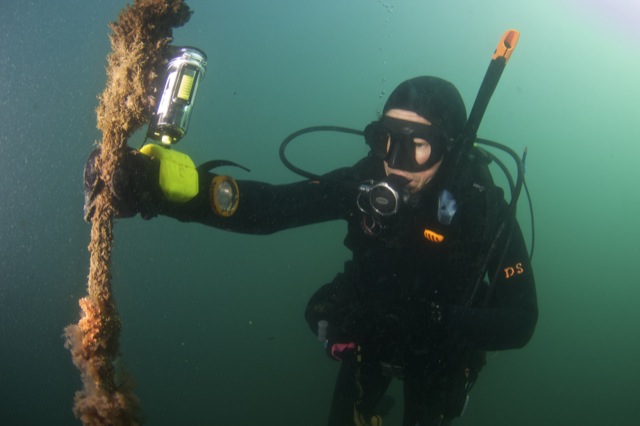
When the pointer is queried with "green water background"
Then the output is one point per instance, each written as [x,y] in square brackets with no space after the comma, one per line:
[213,327]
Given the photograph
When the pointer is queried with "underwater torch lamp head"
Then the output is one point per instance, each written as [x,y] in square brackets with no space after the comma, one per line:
[185,69]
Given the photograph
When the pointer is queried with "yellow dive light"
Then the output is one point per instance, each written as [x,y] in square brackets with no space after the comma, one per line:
[178,174]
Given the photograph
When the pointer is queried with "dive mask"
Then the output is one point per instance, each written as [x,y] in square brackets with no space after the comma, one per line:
[399,135]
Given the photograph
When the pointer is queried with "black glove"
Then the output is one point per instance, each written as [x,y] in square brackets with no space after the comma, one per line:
[336,346]
[134,186]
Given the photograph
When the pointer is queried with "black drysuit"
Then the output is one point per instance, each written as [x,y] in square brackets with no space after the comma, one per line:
[414,296]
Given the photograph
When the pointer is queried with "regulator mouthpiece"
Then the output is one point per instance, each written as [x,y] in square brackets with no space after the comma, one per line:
[185,69]
[384,198]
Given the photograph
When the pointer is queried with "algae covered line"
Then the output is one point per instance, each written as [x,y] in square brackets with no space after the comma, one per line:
[139,39]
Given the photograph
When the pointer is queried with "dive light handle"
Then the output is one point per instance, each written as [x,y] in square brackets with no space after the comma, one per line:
[178,176]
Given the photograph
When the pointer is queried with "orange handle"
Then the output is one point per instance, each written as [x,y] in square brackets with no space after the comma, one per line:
[506,45]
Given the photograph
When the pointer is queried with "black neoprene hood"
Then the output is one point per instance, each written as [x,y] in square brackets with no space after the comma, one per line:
[432,98]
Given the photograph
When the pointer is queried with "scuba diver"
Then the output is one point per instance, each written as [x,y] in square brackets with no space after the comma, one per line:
[439,273]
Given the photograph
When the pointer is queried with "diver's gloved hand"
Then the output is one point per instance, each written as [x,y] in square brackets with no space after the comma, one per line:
[134,186]
[340,351]
[334,347]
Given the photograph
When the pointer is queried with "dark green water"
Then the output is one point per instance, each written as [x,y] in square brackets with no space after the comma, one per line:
[213,328]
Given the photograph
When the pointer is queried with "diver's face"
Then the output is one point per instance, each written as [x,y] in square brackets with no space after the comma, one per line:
[417,180]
